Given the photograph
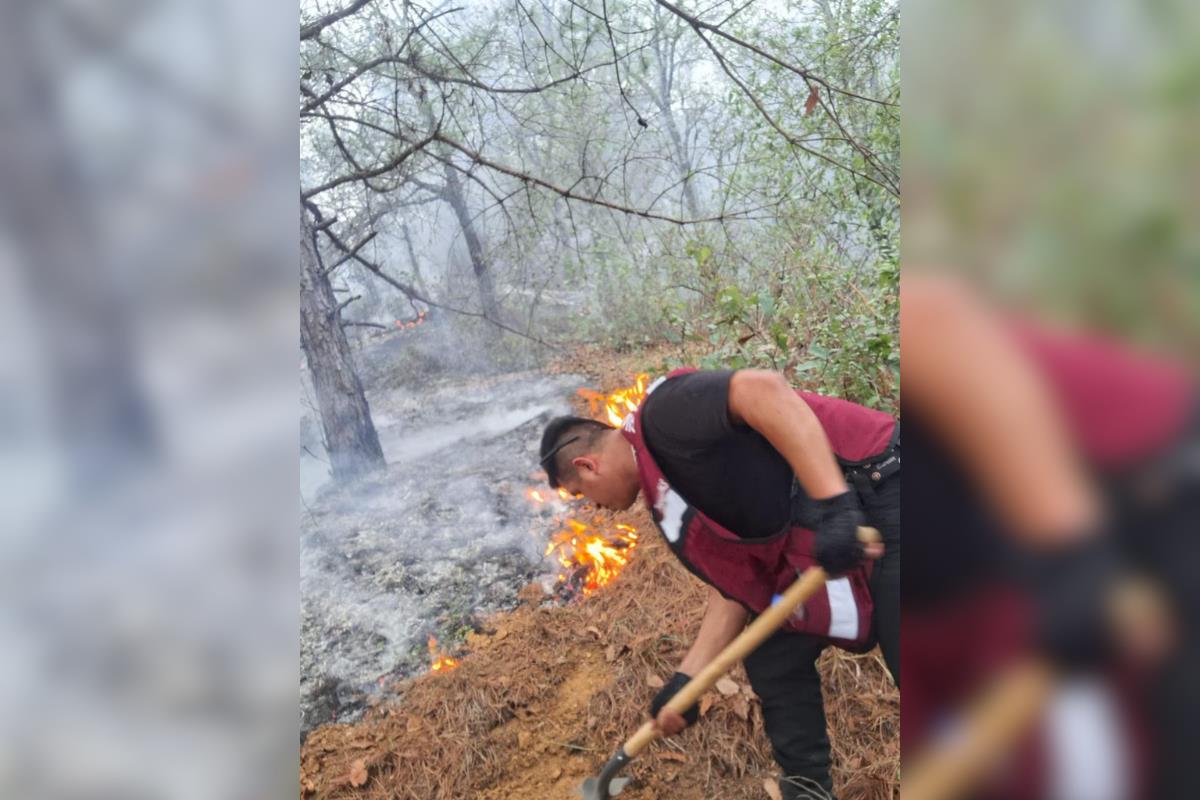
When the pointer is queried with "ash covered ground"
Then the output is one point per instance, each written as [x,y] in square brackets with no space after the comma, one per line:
[446,536]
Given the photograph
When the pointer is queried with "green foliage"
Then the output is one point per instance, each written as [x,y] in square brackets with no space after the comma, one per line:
[828,329]
[815,293]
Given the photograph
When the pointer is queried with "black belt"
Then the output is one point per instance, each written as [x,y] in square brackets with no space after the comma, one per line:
[875,472]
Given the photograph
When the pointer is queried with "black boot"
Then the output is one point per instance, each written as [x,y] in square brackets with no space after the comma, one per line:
[801,788]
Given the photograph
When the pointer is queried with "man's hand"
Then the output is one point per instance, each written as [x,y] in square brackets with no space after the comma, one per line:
[835,521]
[1070,586]
[669,722]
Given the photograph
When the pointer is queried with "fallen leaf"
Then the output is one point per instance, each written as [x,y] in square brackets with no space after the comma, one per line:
[592,629]
[501,634]
[613,651]
[523,738]
[556,774]
[706,703]
[671,755]
[727,686]
[772,787]
[741,706]
[653,681]
[413,725]
[811,102]
[358,773]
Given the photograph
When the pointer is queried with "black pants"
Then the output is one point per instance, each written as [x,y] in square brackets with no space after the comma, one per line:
[1157,532]
[783,670]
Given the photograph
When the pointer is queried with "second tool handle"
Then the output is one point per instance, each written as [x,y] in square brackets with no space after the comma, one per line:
[755,633]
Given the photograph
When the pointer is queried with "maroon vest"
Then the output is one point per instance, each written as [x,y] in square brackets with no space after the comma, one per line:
[1122,406]
[753,571]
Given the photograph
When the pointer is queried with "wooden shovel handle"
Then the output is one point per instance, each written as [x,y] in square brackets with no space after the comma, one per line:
[1008,708]
[992,724]
[755,633]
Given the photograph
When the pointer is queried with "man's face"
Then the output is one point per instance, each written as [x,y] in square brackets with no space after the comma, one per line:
[602,483]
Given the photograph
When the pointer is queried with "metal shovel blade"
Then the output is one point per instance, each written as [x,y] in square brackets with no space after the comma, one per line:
[607,784]
[592,789]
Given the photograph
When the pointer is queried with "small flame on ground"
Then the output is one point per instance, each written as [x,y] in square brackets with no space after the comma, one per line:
[412,323]
[603,553]
[441,661]
[613,408]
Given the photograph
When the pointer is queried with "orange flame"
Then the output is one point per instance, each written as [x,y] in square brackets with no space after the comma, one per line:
[604,554]
[412,323]
[613,408]
[441,662]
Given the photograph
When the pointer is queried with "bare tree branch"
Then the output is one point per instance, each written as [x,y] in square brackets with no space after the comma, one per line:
[568,193]
[345,303]
[362,175]
[367,66]
[321,23]
[792,140]
[699,24]
[352,253]
[617,64]
[412,291]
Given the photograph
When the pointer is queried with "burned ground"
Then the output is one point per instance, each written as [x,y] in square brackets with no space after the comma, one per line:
[445,536]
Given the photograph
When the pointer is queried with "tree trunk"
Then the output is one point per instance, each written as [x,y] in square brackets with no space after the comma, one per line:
[453,195]
[418,278]
[682,162]
[662,99]
[350,437]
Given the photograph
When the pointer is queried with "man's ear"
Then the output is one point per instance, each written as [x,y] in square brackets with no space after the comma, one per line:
[582,463]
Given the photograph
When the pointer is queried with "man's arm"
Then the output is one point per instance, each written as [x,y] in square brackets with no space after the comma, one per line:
[764,401]
[980,394]
[723,621]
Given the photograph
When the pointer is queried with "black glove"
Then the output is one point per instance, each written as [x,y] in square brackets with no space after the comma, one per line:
[835,521]
[677,682]
[1071,590]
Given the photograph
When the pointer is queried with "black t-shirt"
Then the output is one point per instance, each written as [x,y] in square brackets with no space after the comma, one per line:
[730,472]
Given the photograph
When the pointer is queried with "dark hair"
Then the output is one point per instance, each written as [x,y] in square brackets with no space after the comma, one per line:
[564,439]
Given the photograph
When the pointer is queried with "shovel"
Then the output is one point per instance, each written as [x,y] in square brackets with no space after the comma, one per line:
[607,785]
